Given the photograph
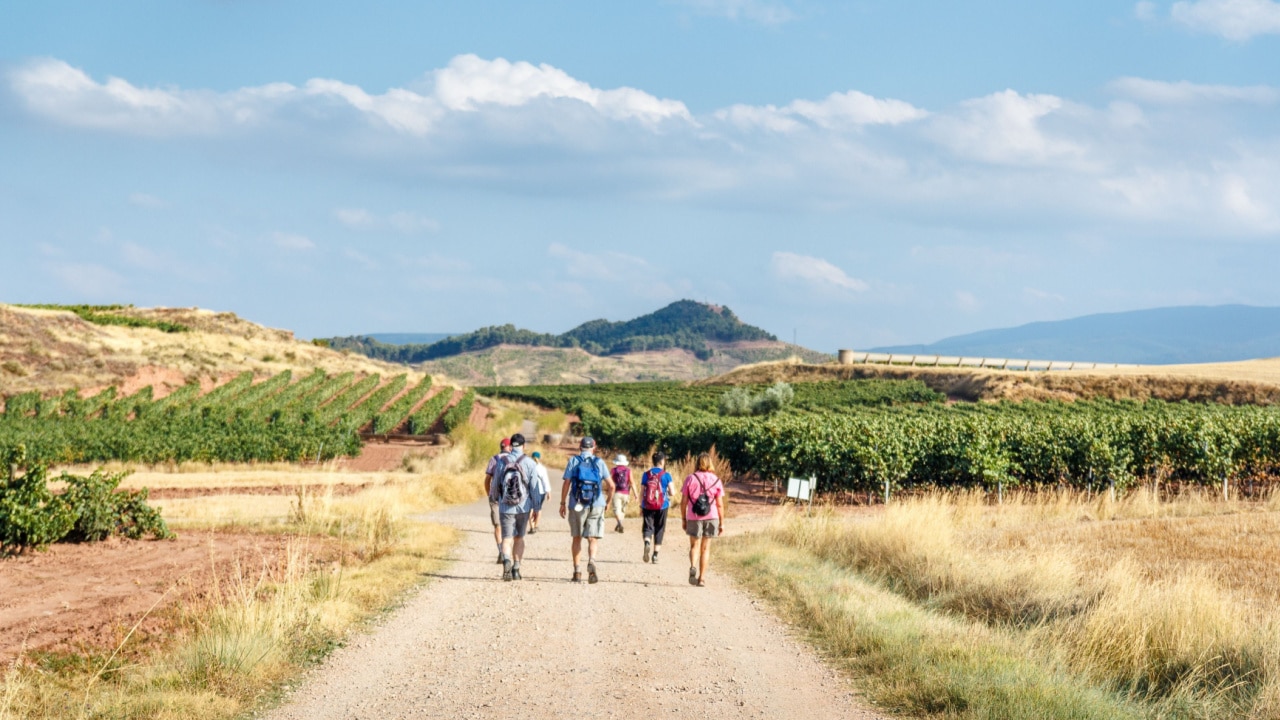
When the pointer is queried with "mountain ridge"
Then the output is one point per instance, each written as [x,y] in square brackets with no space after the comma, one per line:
[1156,336]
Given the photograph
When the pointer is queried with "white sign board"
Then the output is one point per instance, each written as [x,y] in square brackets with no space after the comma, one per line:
[801,488]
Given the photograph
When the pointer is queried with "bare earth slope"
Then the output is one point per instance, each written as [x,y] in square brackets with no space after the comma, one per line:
[524,365]
[51,350]
[640,644]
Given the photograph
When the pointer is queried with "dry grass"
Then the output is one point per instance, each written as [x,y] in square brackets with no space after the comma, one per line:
[1255,382]
[259,628]
[1170,603]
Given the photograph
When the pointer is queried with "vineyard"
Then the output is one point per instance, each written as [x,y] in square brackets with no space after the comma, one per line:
[878,436]
[317,417]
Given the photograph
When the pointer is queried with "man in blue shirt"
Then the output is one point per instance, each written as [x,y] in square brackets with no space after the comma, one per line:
[515,489]
[586,492]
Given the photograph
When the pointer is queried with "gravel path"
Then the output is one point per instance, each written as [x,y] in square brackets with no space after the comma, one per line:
[642,643]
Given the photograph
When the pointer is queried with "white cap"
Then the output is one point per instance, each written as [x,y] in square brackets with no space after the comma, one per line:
[620,460]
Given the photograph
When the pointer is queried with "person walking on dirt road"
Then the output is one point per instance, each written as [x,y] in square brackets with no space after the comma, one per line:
[703,516]
[621,476]
[515,488]
[544,485]
[655,501]
[586,482]
[504,447]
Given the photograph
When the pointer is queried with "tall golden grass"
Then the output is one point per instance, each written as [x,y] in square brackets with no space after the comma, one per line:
[1163,623]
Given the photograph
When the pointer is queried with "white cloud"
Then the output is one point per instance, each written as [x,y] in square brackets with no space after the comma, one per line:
[597,266]
[359,257]
[764,12]
[292,241]
[1007,128]
[143,200]
[1237,20]
[1145,10]
[839,110]
[407,223]
[1183,93]
[803,268]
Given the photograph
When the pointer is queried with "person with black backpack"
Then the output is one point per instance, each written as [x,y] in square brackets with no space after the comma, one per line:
[495,516]
[655,501]
[516,491]
[583,500]
[703,516]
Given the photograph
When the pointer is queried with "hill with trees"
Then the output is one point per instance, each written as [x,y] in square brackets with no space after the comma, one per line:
[684,325]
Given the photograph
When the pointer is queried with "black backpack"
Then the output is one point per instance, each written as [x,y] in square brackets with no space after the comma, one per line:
[702,505]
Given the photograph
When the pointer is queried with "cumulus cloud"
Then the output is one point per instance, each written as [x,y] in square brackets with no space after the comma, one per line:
[1161,155]
[764,12]
[292,241]
[816,271]
[1238,20]
[839,110]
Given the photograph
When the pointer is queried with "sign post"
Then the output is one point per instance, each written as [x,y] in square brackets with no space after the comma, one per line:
[804,489]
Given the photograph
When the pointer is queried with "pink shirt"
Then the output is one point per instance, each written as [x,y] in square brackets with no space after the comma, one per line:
[693,489]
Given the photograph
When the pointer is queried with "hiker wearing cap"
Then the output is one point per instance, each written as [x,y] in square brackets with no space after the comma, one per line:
[585,494]
[544,486]
[655,501]
[621,476]
[504,447]
[515,488]
[703,516]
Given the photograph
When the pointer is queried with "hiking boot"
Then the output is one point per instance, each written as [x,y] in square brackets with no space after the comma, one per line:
[618,528]
[577,576]
[654,559]
[506,570]
[592,578]
[648,550]
[533,530]
[515,572]
[500,558]
[693,576]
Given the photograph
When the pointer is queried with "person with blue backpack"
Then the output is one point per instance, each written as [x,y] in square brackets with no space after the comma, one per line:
[655,501]
[515,489]
[586,492]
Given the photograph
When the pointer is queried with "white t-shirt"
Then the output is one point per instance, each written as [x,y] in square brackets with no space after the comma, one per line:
[544,482]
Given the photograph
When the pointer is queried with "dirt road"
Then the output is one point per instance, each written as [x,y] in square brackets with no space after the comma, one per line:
[642,643]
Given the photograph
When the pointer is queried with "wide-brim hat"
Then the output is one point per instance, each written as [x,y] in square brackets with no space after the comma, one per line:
[620,460]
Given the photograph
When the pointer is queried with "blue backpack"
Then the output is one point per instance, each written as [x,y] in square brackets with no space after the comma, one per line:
[587,477]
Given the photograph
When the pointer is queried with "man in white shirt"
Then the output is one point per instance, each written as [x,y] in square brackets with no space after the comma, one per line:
[544,485]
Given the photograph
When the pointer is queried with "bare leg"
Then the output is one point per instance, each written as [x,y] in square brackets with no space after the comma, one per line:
[497,534]
[506,548]
[518,549]
[592,544]
[705,556]
[693,552]
[577,552]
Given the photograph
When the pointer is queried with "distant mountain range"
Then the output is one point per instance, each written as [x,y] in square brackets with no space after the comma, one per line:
[409,338]
[1161,336]
[685,325]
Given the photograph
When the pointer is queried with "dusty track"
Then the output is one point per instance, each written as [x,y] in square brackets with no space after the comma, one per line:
[640,644]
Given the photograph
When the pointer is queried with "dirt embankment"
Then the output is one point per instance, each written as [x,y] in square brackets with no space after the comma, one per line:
[53,350]
[1171,384]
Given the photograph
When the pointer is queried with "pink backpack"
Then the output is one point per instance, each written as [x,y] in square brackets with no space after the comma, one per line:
[654,496]
[622,479]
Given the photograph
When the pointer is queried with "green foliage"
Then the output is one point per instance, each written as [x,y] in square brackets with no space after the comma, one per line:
[874,436]
[423,420]
[236,422]
[684,324]
[740,402]
[90,510]
[105,315]
[460,413]
[398,412]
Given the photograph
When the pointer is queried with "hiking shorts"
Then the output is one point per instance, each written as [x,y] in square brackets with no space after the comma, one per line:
[620,504]
[703,528]
[494,515]
[514,525]
[588,523]
[655,524]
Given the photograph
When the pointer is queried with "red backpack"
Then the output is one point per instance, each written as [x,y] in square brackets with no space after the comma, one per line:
[654,497]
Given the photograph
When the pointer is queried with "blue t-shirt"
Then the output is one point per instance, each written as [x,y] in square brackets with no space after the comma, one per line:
[665,478]
[570,473]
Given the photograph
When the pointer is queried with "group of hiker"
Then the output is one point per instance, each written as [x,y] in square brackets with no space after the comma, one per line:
[518,485]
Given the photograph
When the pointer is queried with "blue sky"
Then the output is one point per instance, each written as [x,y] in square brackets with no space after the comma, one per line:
[863,173]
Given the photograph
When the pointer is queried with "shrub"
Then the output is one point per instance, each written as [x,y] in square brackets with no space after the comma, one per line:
[739,402]
[30,515]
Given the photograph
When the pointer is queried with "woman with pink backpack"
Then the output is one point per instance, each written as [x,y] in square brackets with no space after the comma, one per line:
[703,494]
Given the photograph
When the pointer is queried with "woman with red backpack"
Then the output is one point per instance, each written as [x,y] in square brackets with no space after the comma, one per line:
[703,494]
[655,500]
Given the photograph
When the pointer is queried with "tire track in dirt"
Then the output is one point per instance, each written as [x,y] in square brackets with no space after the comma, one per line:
[639,644]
